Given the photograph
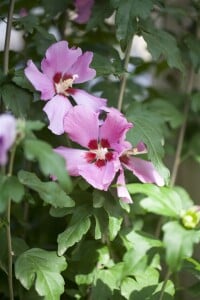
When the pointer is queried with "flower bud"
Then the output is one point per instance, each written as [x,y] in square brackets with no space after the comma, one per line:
[191,217]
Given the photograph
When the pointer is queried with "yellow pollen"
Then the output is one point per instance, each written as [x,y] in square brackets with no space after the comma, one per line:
[63,85]
[100,152]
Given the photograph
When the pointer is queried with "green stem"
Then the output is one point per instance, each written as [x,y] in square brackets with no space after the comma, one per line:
[181,135]
[124,77]
[8,33]
[167,276]
[8,231]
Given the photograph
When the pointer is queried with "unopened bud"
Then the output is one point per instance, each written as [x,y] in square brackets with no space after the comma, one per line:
[191,217]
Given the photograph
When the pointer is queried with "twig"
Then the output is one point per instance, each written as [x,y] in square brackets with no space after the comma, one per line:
[8,231]
[124,76]
[7,39]
[181,135]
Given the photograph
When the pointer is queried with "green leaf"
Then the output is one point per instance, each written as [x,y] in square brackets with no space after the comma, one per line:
[167,111]
[101,222]
[179,243]
[126,17]
[10,188]
[114,226]
[106,65]
[163,201]
[100,11]
[160,42]
[146,130]
[16,99]
[53,7]
[134,288]
[28,23]
[41,268]
[34,125]
[193,45]
[77,228]
[50,162]
[20,80]
[50,192]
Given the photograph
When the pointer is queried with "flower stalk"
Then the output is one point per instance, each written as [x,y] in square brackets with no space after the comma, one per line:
[8,230]
[124,76]
[7,39]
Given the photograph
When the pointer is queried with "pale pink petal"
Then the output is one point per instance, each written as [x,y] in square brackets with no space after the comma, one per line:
[114,129]
[122,191]
[59,59]
[74,158]
[56,109]
[81,124]
[144,170]
[7,135]
[99,177]
[87,100]
[40,81]
[81,68]
[83,8]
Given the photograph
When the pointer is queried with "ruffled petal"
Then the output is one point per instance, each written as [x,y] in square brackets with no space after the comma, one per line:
[83,98]
[114,129]
[144,170]
[81,68]
[40,81]
[56,109]
[59,58]
[74,158]
[81,124]
[99,177]
[122,191]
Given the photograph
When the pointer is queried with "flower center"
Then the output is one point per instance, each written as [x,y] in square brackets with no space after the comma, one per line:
[64,83]
[99,153]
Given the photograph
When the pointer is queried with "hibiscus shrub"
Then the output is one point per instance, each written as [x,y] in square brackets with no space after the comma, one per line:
[99,121]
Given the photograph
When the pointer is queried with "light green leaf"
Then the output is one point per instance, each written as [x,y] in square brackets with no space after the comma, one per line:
[41,268]
[160,42]
[179,243]
[134,288]
[50,192]
[78,227]
[51,164]
[163,201]
[114,226]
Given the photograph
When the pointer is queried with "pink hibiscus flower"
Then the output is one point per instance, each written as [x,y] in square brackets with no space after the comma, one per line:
[106,152]
[61,68]
[83,9]
[7,136]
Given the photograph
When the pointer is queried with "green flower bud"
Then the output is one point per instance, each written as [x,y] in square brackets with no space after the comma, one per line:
[191,217]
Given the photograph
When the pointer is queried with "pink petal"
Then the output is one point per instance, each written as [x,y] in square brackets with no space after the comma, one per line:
[99,177]
[74,159]
[59,58]
[144,170]
[81,124]
[114,129]
[40,81]
[83,98]
[7,135]
[83,8]
[122,191]
[81,68]
[56,109]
